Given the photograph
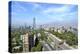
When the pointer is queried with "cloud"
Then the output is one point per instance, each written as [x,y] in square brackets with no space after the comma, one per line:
[23,8]
[60,13]
[36,5]
[62,17]
[63,9]
[18,8]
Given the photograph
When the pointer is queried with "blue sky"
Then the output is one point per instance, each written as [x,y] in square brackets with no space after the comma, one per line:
[24,12]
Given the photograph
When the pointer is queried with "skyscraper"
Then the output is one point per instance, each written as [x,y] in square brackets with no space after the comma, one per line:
[34,23]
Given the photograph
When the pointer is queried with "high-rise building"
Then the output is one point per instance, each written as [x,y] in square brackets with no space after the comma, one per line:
[34,23]
[31,41]
[26,42]
[34,27]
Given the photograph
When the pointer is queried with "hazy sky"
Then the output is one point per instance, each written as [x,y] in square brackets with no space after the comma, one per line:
[24,12]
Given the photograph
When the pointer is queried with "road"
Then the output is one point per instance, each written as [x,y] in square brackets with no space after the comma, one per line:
[56,40]
[46,47]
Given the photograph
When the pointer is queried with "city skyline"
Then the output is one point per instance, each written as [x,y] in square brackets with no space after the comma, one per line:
[23,13]
[37,27]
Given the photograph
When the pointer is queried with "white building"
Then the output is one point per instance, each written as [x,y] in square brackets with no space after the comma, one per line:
[25,42]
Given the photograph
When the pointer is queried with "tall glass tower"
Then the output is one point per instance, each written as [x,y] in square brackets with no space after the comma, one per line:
[34,23]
